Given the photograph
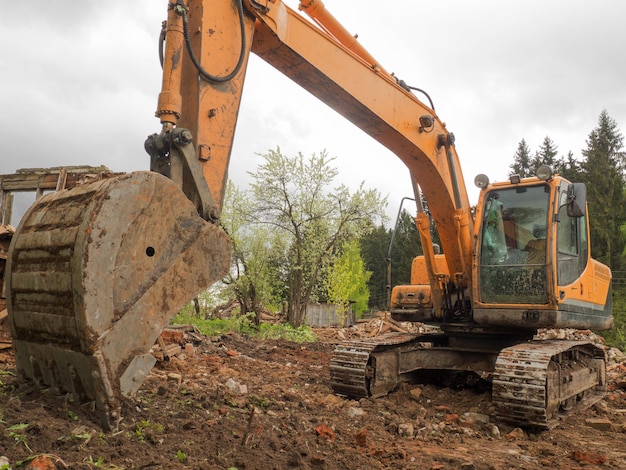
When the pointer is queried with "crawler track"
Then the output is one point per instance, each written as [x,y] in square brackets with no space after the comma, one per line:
[536,382]
[350,368]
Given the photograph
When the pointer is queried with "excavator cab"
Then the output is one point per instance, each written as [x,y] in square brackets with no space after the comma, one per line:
[534,268]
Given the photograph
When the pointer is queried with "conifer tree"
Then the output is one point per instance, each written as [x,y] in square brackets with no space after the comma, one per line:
[546,155]
[603,168]
[374,248]
[569,168]
[521,161]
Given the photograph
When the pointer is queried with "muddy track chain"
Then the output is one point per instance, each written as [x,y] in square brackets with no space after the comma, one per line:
[350,372]
[524,389]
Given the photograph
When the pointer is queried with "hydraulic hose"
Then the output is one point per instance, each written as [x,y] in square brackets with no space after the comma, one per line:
[203,73]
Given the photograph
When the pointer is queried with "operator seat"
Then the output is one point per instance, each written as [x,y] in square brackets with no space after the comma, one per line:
[536,247]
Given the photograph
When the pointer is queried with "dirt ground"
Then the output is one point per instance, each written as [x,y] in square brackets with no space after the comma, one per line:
[238,403]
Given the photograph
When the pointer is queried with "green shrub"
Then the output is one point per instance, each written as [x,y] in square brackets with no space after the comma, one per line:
[244,325]
[302,334]
[616,337]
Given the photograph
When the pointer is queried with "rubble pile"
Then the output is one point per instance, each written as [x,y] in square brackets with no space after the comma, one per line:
[370,328]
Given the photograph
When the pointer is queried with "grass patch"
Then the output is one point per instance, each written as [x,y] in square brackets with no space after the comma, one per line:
[302,334]
[244,325]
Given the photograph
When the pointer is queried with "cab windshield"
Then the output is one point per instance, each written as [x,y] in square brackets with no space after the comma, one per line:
[513,246]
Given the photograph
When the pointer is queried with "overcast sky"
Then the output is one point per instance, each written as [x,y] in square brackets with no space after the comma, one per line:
[80,82]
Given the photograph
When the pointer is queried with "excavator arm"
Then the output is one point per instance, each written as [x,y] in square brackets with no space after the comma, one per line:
[323,58]
[95,273]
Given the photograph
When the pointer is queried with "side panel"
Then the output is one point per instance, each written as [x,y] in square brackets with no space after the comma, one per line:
[590,316]
[589,298]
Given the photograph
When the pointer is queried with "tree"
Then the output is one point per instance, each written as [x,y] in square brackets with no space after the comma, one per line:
[374,248]
[293,197]
[347,279]
[603,167]
[256,251]
[406,246]
[522,161]
[546,155]
[569,168]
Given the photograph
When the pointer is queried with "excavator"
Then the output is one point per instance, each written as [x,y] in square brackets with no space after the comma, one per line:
[95,272]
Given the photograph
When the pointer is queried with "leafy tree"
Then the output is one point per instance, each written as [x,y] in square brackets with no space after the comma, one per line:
[256,251]
[293,197]
[522,161]
[347,279]
[603,167]
[546,155]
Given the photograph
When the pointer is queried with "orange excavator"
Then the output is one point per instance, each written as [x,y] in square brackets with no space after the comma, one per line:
[96,272]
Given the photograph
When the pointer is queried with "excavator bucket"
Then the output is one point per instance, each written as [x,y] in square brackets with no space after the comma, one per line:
[95,273]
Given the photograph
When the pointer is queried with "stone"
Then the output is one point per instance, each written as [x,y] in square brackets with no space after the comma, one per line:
[42,462]
[354,412]
[331,400]
[405,429]
[601,424]
[175,377]
[236,387]
[602,407]
[420,413]
[477,417]
[494,430]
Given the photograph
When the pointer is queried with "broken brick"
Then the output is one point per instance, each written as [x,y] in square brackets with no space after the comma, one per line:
[588,457]
[325,431]
[42,463]
[361,438]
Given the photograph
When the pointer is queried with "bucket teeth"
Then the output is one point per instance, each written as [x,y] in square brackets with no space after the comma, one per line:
[95,273]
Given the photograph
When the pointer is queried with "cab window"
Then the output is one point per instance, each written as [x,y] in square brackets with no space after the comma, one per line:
[513,245]
[572,243]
